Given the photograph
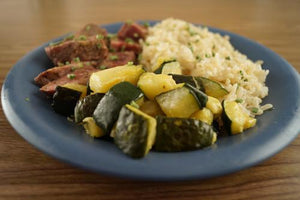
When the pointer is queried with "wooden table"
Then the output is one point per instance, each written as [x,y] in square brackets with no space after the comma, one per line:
[26,173]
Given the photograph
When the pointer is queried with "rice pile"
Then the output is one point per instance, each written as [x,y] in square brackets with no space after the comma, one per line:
[203,53]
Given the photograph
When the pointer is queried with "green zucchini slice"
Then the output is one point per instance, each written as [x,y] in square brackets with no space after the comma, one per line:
[162,63]
[210,87]
[181,134]
[180,102]
[235,119]
[64,100]
[213,88]
[192,80]
[198,94]
[85,107]
[135,132]
[107,110]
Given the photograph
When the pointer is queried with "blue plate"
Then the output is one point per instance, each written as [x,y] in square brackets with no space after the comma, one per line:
[30,113]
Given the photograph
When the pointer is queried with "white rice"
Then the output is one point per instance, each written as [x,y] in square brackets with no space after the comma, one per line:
[203,53]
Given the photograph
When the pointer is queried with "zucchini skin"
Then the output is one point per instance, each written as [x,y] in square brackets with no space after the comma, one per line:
[64,100]
[131,133]
[200,96]
[192,80]
[108,109]
[160,68]
[86,106]
[181,134]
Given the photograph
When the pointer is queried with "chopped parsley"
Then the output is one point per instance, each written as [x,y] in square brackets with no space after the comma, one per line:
[239,100]
[213,54]
[55,43]
[140,57]
[254,110]
[67,63]
[77,59]
[82,37]
[190,47]
[129,41]
[71,76]
[227,58]
[147,43]
[27,99]
[129,22]
[114,57]
[207,55]
[80,65]
[88,27]
[246,80]
[102,67]
[198,58]
[110,35]
[99,45]
[99,37]
[146,24]
[135,35]
[69,37]
[130,63]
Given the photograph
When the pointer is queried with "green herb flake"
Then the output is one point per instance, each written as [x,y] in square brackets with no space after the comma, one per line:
[207,55]
[69,37]
[77,59]
[71,76]
[129,22]
[130,63]
[82,37]
[27,99]
[147,43]
[214,46]
[80,65]
[135,35]
[246,80]
[129,41]
[73,68]
[60,64]
[140,57]
[102,67]
[99,37]
[254,110]
[114,57]
[239,100]
[111,36]
[123,48]
[87,28]
[213,54]
[134,104]
[55,43]
[190,47]
[99,45]
[198,58]
[227,58]
[67,63]
[146,24]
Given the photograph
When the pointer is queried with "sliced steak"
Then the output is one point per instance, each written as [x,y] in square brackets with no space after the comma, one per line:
[72,73]
[90,30]
[86,49]
[121,45]
[58,72]
[133,31]
[118,59]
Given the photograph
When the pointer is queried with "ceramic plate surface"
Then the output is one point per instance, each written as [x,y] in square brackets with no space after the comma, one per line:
[53,134]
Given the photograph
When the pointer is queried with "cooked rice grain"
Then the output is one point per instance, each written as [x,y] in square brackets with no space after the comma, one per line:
[203,53]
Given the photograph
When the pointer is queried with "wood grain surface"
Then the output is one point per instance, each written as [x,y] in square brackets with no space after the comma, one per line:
[26,173]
